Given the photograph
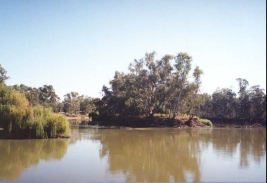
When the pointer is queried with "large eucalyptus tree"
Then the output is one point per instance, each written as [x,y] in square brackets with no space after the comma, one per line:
[152,85]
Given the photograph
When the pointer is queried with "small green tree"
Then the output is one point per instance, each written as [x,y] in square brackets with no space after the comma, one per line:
[71,102]
[3,75]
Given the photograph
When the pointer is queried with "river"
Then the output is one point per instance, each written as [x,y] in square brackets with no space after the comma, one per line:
[138,155]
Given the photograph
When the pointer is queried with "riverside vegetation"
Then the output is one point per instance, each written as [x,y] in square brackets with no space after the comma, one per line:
[19,119]
[163,92]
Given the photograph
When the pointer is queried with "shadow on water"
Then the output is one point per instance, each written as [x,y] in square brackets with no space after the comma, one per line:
[17,155]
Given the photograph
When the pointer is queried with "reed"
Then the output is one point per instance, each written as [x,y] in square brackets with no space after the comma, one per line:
[19,118]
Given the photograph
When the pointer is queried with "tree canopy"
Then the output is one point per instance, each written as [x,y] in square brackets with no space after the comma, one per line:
[151,86]
[167,86]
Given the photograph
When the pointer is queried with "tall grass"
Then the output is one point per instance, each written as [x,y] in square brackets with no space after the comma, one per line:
[19,118]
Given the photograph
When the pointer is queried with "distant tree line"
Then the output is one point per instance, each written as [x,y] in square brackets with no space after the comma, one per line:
[75,103]
[248,104]
[46,96]
[168,86]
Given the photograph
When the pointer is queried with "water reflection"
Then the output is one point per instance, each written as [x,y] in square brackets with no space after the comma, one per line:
[138,155]
[249,143]
[175,155]
[83,133]
[152,155]
[17,155]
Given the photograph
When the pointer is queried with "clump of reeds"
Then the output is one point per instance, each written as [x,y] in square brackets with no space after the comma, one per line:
[19,118]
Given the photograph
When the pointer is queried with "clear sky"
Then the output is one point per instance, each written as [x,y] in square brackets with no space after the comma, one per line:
[78,45]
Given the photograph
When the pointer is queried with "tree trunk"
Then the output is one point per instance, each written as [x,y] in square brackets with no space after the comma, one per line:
[176,106]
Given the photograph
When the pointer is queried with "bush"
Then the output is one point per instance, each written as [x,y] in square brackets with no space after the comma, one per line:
[17,117]
[206,121]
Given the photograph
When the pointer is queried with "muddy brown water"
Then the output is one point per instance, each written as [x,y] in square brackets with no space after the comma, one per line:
[138,155]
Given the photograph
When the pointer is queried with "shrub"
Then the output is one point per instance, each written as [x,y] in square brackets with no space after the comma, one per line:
[206,121]
[18,117]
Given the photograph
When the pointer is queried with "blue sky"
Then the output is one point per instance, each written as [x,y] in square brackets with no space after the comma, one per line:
[78,45]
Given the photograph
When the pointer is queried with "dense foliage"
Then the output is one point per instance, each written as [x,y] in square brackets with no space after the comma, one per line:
[19,118]
[167,86]
[152,86]
[248,105]
[46,96]
[75,103]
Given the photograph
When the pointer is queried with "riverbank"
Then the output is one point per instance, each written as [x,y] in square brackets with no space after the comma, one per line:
[74,116]
[157,122]
[77,118]
[29,135]
[256,125]
[238,123]
[135,122]
[161,122]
